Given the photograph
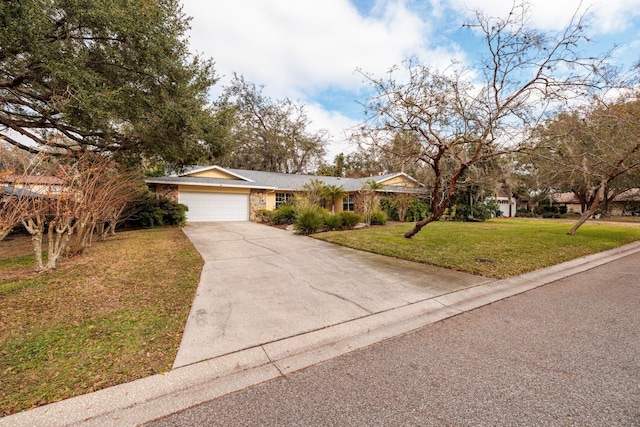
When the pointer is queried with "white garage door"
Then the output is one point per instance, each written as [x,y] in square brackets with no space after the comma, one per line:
[208,207]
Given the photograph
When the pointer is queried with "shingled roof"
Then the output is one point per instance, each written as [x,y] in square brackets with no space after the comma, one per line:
[245,178]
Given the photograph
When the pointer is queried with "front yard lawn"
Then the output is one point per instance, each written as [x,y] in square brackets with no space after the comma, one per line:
[117,313]
[112,315]
[497,248]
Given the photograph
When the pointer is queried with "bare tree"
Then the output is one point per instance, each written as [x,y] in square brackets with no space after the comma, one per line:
[92,192]
[100,195]
[463,117]
[17,171]
[369,198]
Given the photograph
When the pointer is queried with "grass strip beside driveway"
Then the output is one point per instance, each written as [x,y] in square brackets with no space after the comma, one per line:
[498,248]
[110,316]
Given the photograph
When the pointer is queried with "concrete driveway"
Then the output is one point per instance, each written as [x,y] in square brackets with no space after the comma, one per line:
[262,284]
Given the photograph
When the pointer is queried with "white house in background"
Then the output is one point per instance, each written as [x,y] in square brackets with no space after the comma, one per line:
[508,205]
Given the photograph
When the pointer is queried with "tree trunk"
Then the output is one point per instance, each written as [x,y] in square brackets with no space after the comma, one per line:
[58,240]
[437,213]
[594,205]
[35,227]
[4,232]
[420,224]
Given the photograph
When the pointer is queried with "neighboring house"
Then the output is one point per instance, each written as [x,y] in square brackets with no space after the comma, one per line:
[34,183]
[215,193]
[625,203]
[508,205]
[570,200]
[11,191]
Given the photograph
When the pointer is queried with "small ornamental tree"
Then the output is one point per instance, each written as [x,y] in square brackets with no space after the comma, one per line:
[369,199]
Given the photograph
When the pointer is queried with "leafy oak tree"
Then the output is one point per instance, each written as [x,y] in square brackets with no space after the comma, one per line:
[463,117]
[270,135]
[104,76]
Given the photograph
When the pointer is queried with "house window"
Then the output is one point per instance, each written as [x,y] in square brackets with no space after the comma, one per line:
[283,198]
[347,204]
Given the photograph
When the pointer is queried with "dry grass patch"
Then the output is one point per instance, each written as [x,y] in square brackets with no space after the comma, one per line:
[110,316]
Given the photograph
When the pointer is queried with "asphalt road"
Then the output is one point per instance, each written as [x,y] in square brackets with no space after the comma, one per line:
[565,354]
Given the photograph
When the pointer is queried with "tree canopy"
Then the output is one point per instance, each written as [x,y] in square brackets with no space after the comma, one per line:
[270,135]
[107,76]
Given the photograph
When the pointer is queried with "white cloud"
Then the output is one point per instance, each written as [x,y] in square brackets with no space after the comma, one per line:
[305,50]
[336,124]
[296,47]
[613,16]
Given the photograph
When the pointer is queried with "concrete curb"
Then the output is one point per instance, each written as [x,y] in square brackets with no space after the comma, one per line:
[157,396]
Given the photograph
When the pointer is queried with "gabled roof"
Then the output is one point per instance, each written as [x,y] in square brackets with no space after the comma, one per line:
[243,178]
[30,179]
[217,168]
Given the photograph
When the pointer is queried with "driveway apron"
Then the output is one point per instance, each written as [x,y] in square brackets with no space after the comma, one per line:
[261,284]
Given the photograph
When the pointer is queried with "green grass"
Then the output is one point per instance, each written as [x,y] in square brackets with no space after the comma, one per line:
[112,315]
[498,248]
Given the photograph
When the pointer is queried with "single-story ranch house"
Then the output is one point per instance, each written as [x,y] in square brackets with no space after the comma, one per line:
[214,193]
[625,203]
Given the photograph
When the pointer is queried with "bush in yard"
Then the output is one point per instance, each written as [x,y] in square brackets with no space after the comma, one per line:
[263,215]
[151,210]
[551,212]
[389,205]
[285,214]
[417,211]
[378,217]
[332,222]
[349,219]
[310,220]
[525,213]
[479,212]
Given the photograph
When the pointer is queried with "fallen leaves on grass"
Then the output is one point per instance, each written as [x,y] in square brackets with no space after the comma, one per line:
[110,316]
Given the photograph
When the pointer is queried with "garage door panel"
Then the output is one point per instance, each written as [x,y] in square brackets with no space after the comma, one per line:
[211,207]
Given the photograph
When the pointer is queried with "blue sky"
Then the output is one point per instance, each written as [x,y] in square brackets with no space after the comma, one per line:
[308,50]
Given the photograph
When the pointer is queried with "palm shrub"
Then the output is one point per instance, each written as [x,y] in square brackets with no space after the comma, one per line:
[333,192]
[310,220]
[285,214]
[349,219]
[332,222]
